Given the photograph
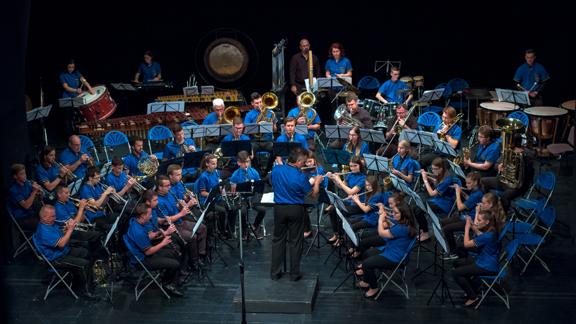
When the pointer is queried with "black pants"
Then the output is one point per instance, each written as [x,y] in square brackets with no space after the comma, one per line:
[29,223]
[263,145]
[77,261]
[509,194]
[228,170]
[464,270]
[334,219]
[117,207]
[163,259]
[288,221]
[105,222]
[421,215]
[359,223]
[223,212]
[260,210]
[375,262]
[449,226]
[94,239]
[209,219]
[370,240]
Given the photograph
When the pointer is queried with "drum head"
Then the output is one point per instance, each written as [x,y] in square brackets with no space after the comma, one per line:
[226,59]
[418,78]
[569,104]
[88,97]
[545,111]
[406,79]
[499,106]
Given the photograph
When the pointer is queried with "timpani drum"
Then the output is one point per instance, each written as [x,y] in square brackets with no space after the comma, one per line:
[418,81]
[98,106]
[489,112]
[547,122]
[569,104]
[408,81]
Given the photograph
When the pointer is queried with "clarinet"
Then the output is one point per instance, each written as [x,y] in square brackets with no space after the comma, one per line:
[225,196]
[252,188]
[192,196]
[178,253]
[170,224]
[178,202]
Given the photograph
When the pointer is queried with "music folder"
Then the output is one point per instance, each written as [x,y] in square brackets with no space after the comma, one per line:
[338,157]
[300,129]
[376,163]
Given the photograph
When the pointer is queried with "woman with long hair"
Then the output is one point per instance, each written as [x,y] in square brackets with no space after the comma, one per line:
[355,144]
[47,173]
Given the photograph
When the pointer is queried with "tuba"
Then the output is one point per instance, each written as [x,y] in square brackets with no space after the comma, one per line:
[269,102]
[227,117]
[347,119]
[307,100]
[512,173]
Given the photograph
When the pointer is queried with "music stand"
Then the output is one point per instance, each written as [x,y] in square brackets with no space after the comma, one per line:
[195,132]
[232,148]
[123,86]
[190,91]
[515,96]
[376,163]
[155,107]
[284,148]
[431,95]
[39,113]
[444,147]
[335,131]
[207,90]
[336,201]
[457,169]
[259,128]
[218,130]
[399,184]
[375,136]
[300,129]
[201,270]
[445,289]
[193,159]
[336,157]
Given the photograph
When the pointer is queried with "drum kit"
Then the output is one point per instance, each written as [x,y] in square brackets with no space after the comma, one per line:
[98,106]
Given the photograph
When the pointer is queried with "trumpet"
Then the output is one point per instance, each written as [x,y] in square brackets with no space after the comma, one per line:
[89,207]
[114,195]
[90,161]
[82,227]
[137,186]
[71,175]
[46,193]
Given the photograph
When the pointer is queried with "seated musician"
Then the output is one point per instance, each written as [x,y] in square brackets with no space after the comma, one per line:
[453,135]
[54,245]
[75,160]
[488,153]
[150,69]
[47,173]
[303,120]
[352,185]
[358,113]
[156,257]
[122,184]
[458,223]
[369,204]
[391,136]
[402,164]
[290,135]
[179,147]
[265,142]
[216,116]
[169,212]
[95,195]
[443,193]
[313,168]
[246,174]
[237,129]
[388,92]
[355,144]
[21,198]
[511,193]
[210,177]
[131,161]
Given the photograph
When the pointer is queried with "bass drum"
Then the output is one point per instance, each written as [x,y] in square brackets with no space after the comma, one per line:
[98,106]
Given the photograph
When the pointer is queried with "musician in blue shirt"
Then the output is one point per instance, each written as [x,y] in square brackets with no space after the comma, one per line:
[453,135]
[237,129]
[21,197]
[487,155]
[303,120]
[388,92]
[337,66]
[355,144]
[264,143]
[123,185]
[290,188]
[213,118]
[532,78]
[93,193]
[47,173]
[74,159]
[174,173]
[177,148]
[72,81]
[150,69]
[402,164]
[290,135]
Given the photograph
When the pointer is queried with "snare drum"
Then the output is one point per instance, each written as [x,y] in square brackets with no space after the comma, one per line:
[489,112]
[547,122]
[97,106]
[418,81]
[407,80]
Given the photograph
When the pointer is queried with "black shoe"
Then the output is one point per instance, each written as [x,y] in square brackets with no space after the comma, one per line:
[296,278]
[184,273]
[90,296]
[275,277]
[471,305]
[173,291]
[181,281]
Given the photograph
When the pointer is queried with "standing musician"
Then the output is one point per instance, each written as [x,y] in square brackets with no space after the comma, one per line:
[122,184]
[532,78]
[299,68]
[246,174]
[290,135]
[314,169]
[488,153]
[169,213]
[237,129]
[407,123]
[314,125]
[73,159]
[357,113]
[210,177]
[290,187]
[172,149]
[54,245]
[337,66]
[131,161]
[215,116]
[352,185]
[72,81]
[443,193]
[510,193]
[93,193]
[47,173]
[21,197]
[388,91]
[452,137]
[150,69]
[266,142]
[402,164]
[155,257]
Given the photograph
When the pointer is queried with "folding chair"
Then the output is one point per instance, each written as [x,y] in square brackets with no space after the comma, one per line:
[57,273]
[115,138]
[400,266]
[527,227]
[563,148]
[545,181]
[145,272]
[87,143]
[158,133]
[532,241]
[510,250]
[445,94]
[25,233]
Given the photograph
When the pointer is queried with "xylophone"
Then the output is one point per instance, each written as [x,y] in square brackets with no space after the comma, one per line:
[229,97]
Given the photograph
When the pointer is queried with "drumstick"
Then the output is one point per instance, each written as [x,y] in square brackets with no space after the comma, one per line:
[535,83]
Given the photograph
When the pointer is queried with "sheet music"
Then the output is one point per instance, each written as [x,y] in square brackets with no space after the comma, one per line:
[267,198]
[440,239]
[347,228]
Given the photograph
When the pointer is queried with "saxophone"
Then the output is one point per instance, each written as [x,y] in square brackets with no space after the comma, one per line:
[99,274]
[466,151]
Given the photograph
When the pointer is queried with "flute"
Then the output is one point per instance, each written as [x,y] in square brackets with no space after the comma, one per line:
[463,188]
[178,253]
[365,192]
[170,224]
[333,174]
[430,174]
[178,202]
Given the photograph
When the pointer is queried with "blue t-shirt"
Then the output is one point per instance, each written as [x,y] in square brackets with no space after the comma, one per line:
[117,182]
[149,72]
[319,171]
[65,211]
[490,153]
[47,175]
[178,190]
[446,194]
[290,185]
[47,239]
[297,138]
[18,194]
[455,132]
[356,180]
[363,150]
[131,162]
[169,207]
[397,247]
[489,249]
[388,90]
[406,166]
[138,240]
[73,81]
[171,149]
[470,203]
[207,181]
[88,192]
[340,67]
[294,112]
[371,216]
[251,118]
[239,176]
[229,138]
[69,158]
[526,76]
[211,120]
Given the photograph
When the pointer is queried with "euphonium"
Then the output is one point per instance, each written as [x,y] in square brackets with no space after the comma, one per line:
[307,100]
[456,119]
[512,173]
[348,120]
[227,117]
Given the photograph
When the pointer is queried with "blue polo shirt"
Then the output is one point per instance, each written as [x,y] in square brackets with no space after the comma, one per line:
[239,176]
[340,67]
[371,216]
[168,206]
[207,181]
[131,162]
[138,240]
[88,192]
[489,153]
[489,250]
[406,166]
[297,138]
[294,112]
[211,120]
[319,171]
[154,219]
[171,149]
[65,211]
[389,88]
[526,76]
[47,239]
[446,195]
[290,185]
[356,180]
[17,194]
[455,132]
[229,138]
[397,247]
[69,157]
[251,117]
[117,182]
[73,81]
[47,175]
[149,72]
[178,190]
[363,150]
[470,203]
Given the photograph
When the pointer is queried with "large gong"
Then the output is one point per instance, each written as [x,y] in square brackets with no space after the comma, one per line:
[226,59]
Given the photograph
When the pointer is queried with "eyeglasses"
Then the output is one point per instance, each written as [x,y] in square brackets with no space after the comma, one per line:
[435,168]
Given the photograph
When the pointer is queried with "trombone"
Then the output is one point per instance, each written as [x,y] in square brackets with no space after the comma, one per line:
[89,207]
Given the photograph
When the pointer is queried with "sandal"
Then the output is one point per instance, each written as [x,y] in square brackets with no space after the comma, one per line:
[362,284]
[339,242]
[359,272]
[333,239]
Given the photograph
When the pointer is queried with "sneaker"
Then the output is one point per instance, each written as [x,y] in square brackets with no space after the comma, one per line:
[259,232]
[452,256]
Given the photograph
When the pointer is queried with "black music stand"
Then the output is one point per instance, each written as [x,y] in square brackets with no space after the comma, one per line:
[436,225]
[514,96]
[163,107]
[40,113]
[210,202]
[324,199]
[300,129]
[284,148]
[337,157]
[218,130]
[247,190]
[444,289]
[374,136]
[232,148]
[420,138]
[444,147]
[201,270]
[259,128]
[349,260]
[194,132]
[123,86]
[189,160]
[457,169]
[376,163]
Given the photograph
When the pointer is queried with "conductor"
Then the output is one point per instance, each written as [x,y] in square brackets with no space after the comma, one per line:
[290,187]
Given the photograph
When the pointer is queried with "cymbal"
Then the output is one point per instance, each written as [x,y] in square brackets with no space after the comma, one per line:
[404,90]
[347,85]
